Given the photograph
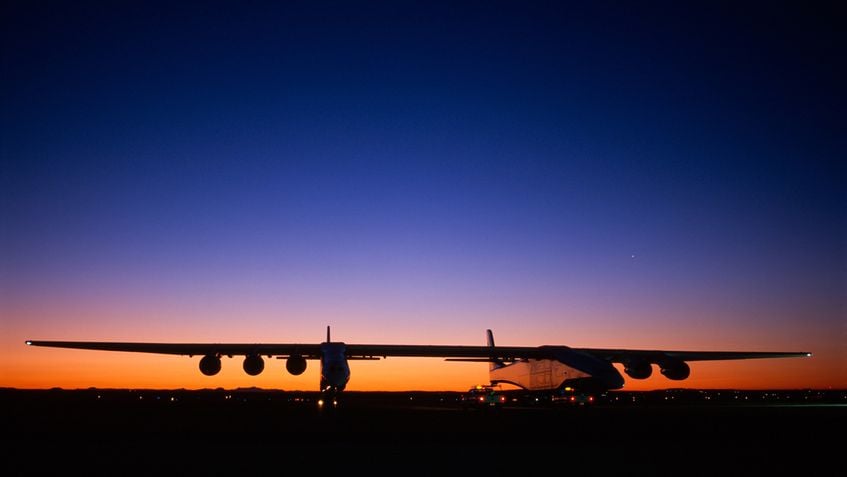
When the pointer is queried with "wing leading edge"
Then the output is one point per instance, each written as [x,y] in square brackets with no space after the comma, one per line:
[191,349]
[623,355]
[310,350]
[426,351]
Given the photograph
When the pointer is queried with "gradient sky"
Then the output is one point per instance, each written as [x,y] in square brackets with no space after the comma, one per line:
[665,176]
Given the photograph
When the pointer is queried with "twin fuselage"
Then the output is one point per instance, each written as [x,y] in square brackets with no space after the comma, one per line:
[567,368]
[541,368]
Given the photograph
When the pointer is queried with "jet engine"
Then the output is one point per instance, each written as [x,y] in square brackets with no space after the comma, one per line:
[638,369]
[675,369]
[295,365]
[210,365]
[253,364]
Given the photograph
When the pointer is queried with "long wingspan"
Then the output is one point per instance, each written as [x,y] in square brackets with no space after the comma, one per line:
[192,349]
[307,350]
[313,351]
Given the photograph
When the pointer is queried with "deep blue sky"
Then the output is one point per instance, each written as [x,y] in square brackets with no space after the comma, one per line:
[486,161]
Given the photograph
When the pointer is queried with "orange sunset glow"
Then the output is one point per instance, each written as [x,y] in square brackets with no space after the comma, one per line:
[414,174]
[27,367]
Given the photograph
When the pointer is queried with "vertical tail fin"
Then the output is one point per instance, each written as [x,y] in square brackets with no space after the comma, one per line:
[495,363]
[327,335]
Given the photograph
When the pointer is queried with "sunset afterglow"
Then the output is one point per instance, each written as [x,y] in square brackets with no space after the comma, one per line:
[582,176]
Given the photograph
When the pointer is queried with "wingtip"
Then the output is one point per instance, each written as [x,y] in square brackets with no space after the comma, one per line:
[28,342]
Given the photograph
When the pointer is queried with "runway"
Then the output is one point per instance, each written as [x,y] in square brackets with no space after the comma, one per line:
[151,431]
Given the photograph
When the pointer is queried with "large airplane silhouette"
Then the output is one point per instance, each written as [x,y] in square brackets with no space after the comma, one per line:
[541,368]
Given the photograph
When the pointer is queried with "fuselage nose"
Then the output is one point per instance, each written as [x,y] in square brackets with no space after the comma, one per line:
[602,372]
[611,379]
[334,376]
[335,372]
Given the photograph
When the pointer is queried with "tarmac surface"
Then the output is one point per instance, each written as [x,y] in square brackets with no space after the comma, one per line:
[220,432]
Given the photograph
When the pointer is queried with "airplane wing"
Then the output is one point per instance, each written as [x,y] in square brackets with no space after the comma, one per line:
[594,364]
[375,351]
[307,350]
[482,353]
[623,355]
[515,353]
[191,349]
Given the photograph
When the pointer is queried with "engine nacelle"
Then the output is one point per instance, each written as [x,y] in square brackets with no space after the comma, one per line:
[676,370]
[638,369]
[253,364]
[210,365]
[295,365]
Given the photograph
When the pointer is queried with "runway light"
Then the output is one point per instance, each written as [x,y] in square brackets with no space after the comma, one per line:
[334,402]
[320,402]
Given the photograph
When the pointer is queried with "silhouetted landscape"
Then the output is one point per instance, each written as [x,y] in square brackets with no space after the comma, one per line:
[642,432]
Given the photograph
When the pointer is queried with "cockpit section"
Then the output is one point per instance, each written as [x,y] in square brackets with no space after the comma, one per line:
[335,372]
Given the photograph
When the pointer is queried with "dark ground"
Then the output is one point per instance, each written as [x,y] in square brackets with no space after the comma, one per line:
[248,431]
